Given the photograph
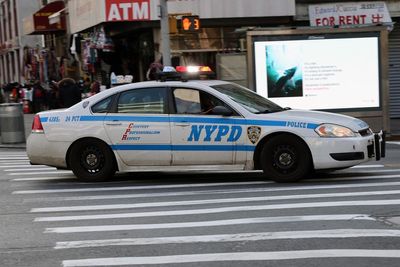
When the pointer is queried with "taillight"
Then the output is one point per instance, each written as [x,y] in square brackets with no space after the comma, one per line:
[37,126]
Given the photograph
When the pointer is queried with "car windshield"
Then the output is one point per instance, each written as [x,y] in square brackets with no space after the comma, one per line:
[247,98]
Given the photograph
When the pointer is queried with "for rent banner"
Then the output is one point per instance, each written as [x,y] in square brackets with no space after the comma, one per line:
[353,13]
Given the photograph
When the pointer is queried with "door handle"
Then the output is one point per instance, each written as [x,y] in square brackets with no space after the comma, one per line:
[116,123]
[183,124]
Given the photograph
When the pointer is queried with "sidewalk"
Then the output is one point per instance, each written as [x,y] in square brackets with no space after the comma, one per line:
[28,118]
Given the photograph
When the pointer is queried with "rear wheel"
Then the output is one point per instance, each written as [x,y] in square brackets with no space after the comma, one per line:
[92,161]
[285,158]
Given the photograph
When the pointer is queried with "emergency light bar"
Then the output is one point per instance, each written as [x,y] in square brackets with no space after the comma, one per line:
[185,73]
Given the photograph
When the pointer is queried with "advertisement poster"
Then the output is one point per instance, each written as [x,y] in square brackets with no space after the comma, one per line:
[340,73]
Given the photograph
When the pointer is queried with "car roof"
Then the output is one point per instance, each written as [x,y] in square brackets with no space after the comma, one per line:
[190,82]
[138,85]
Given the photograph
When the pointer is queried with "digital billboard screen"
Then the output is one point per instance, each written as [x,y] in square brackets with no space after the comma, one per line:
[318,72]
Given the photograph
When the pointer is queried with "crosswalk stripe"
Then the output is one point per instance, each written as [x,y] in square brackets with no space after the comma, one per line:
[354,178]
[240,237]
[209,192]
[42,178]
[31,167]
[16,162]
[121,188]
[210,201]
[38,173]
[41,168]
[225,209]
[98,189]
[103,228]
[15,158]
[236,256]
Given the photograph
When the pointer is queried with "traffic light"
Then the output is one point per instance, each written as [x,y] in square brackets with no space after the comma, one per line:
[190,23]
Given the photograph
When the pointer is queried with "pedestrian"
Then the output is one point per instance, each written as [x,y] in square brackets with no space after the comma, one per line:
[94,88]
[154,69]
[68,92]
[52,96]
[38,97]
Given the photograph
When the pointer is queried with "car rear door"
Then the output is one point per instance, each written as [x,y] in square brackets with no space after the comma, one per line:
[139,127]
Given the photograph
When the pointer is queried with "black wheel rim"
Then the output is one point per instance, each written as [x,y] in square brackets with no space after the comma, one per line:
[285,159]
[92,159]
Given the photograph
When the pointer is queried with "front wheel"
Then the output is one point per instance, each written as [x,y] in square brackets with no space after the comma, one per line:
[92,161]
[285,158]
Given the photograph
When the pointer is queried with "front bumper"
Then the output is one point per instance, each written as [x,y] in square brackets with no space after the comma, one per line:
[379,145]
[337,153]
[376,149]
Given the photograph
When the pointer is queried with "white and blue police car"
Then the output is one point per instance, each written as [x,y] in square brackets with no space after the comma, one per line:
[196,125]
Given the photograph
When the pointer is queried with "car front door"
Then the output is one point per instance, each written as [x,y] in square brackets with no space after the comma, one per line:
[200,137]
[139,127]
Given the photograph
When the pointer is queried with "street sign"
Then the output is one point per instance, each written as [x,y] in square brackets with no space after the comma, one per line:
[190,23]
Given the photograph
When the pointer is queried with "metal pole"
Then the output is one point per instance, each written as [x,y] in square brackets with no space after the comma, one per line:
[166,49]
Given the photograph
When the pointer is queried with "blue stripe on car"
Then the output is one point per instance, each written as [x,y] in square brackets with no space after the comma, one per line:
[184,147]
[188,119]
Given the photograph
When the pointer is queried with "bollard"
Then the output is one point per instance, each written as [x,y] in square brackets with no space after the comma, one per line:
[12,123]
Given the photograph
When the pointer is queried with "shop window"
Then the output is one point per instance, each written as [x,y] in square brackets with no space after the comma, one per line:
[149,101]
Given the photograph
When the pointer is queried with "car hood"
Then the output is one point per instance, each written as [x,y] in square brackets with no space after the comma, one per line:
[318,117]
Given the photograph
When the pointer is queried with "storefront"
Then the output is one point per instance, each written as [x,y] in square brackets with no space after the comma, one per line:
[133,28]
[45,63]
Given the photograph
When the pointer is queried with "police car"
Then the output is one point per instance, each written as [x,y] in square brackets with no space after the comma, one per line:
[196,125]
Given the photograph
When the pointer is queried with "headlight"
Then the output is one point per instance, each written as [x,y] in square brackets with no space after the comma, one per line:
[333,130]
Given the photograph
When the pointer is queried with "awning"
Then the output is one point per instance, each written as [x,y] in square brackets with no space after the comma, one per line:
[39,23]
[56,17]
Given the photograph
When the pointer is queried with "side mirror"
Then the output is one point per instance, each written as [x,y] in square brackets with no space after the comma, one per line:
[221,110]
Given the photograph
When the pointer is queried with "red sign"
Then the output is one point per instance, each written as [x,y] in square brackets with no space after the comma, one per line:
[127,10]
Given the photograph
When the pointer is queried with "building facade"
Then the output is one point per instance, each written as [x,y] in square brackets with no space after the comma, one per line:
[12,38]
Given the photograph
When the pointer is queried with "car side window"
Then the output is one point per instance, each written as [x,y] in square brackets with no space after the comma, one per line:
[190,101]
[102,106]
[146,100]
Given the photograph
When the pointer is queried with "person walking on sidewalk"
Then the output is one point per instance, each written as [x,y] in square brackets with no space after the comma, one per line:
[69,93]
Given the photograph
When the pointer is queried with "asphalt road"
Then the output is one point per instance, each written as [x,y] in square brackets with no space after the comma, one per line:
[345,218]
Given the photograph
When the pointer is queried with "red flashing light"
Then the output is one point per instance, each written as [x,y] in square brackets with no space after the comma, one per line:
[193,69]
[37,126]
[181,69]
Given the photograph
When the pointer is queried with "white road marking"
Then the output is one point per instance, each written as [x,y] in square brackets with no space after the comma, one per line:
[224,209]
[97,189]
[17,162]
[31,167]
[352,178]
[42,179]
[240,237]
[209,192]
[40,168]
[101,189]
[367,166]
[15,158]
[237,256]
[210,201]
[393,142]
[103,228]
[39,173]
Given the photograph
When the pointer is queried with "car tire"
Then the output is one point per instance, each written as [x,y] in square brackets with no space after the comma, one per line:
[285,158]
[92,161]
